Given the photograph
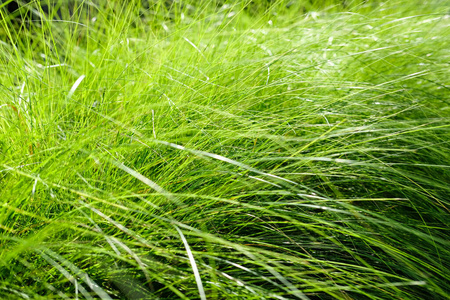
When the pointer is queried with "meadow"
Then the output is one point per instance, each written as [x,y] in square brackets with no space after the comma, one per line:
[225,149]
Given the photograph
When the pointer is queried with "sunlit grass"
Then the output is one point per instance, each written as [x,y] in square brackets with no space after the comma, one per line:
[225,150]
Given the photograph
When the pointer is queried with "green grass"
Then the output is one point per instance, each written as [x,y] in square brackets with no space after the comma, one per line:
[226,150]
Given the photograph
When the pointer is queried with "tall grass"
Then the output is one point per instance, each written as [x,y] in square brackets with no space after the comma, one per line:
[225,150]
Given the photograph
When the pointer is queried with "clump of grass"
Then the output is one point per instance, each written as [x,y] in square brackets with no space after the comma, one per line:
[226,150]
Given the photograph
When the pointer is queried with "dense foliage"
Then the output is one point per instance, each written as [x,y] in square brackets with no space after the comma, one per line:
[224,150]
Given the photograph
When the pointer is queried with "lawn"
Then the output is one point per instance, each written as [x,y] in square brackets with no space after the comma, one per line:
[225,149]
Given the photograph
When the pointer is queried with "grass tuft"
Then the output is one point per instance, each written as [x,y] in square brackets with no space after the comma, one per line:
[224,150]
